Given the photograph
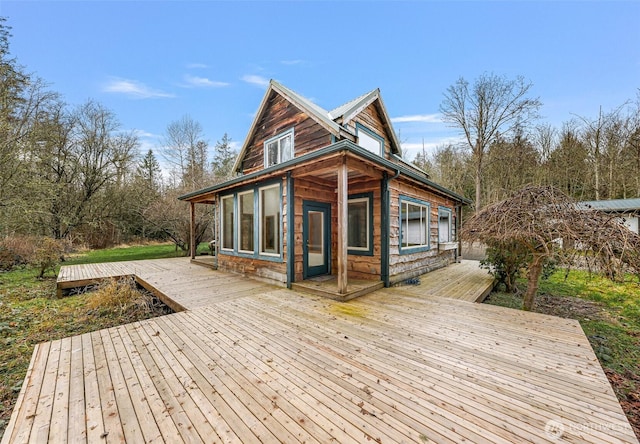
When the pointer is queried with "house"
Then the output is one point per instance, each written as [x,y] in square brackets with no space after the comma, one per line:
[322,195]
[627,209]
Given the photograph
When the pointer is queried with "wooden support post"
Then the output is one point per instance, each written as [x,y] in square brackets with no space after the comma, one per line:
[192,241]
[343,220]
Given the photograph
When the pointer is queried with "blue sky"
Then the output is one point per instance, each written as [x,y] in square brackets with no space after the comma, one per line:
[152,62]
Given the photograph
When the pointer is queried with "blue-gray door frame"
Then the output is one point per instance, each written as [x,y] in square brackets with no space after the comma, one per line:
[325,208]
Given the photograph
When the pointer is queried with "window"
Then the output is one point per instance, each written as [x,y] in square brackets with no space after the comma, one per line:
[227,223]
[369,140]
[414,225]
[245,228]
[359,230]
[278,149]
[270,220]
[251,223]
[444,225]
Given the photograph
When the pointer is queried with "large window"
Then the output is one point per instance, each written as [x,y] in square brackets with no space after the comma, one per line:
[245,228]
[270,220]
[369,140]
[227,223]
[414,225]
[444,225]
[359,232]
[278,149]
[251,223]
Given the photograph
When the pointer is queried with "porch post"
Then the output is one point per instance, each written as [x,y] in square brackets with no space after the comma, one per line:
[192,247]
[343,218]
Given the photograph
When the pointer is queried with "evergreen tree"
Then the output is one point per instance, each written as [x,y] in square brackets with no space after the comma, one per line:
[223,158]
[149,172]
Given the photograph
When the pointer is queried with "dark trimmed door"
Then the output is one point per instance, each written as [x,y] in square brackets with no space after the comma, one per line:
[316,238]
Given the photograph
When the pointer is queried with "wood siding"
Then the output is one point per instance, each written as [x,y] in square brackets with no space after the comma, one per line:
[281,115]
[404,266]
[371,118]
[316,190]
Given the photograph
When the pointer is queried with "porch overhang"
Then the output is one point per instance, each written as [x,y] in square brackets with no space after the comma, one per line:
[358,159]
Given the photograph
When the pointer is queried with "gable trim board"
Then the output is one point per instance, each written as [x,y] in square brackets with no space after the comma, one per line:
[327,119]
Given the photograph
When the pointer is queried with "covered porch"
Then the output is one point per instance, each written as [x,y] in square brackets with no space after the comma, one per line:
[316,192]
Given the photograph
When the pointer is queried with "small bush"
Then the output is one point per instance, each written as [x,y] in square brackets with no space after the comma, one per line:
[504,261]
[48,255]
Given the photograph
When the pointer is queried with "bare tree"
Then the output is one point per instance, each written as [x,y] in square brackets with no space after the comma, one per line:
[534,219]
[597,134]
[171,217]
[185,149]
[492,105]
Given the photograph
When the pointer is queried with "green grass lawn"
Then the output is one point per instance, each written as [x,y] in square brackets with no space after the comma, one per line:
[133,253]
[609,313]
[31,313]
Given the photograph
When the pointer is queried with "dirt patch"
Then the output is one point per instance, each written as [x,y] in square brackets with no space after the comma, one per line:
[625,388]
[571,308]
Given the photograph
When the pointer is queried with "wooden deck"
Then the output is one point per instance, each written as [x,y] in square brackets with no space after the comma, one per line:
[177,282]
[465,281]
[276,366]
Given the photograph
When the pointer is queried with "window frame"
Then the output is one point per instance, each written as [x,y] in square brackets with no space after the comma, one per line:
[240,222]
[278,139]
[406,200]
[449,213]
[257,227]
[369,132]
[368,250]
[260,229]
[223,223]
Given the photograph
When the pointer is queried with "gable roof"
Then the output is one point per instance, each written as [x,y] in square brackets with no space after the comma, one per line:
[333,121]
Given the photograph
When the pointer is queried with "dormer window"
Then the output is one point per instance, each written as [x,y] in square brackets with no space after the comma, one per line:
[278,149]
[369,140]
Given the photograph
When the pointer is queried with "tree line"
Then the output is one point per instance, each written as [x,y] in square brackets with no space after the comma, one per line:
[506,148]
[72,172]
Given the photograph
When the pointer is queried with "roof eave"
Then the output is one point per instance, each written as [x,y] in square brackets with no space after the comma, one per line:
[345,145]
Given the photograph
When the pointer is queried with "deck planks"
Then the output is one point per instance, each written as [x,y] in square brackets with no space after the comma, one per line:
[249,362]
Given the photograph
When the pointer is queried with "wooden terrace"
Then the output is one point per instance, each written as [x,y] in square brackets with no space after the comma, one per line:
[272,365]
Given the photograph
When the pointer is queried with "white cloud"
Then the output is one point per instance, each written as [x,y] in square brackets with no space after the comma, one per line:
[235,146]
[256,80]
[410,149]
[196,66]
[146,134]
[134,89]
[292,62]
[427,118]
[203,82]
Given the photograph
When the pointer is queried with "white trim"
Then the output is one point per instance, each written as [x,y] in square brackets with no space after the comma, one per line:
[278,140]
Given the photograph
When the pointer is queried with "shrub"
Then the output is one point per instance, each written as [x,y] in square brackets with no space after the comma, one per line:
[17,250]
[504,261]
[47,255]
